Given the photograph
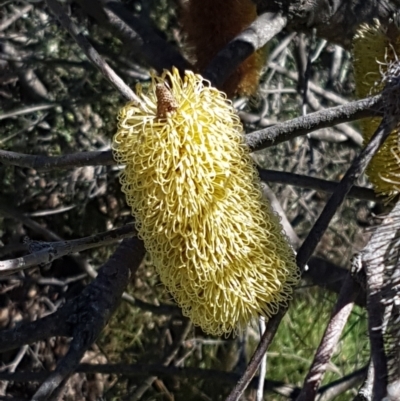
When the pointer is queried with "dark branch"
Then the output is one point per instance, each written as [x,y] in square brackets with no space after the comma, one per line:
[325,274]
[136,370]
[47,163]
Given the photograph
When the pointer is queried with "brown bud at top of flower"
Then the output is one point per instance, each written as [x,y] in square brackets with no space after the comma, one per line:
[166,103]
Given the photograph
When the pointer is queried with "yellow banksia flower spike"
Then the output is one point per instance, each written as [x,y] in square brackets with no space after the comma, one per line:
[209,25]
[196,197]
[374,47]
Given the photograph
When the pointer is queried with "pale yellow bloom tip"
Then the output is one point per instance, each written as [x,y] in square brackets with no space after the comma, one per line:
[196,198]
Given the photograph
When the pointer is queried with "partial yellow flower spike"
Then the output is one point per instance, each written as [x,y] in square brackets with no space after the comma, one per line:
[374,47]
[196,198]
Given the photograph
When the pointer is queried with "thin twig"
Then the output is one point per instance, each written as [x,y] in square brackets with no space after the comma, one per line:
[10,19]
[333,97]
[47,252]
[11,212]
[90,52]
[263,367]
[27,110]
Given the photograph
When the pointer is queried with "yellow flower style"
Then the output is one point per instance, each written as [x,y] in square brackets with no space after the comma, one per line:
[196,198]
[374,47]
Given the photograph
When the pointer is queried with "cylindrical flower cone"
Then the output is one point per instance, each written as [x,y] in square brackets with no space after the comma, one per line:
[209,25]
[196,197]
[374,47]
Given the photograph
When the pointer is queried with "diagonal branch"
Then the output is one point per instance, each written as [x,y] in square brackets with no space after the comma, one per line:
[356,169]
[323,355]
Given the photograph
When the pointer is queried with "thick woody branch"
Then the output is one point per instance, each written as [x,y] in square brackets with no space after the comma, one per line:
[379,263]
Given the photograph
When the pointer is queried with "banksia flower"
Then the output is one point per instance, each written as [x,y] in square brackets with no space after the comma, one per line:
[374,48]
[210,25]
[196,198]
